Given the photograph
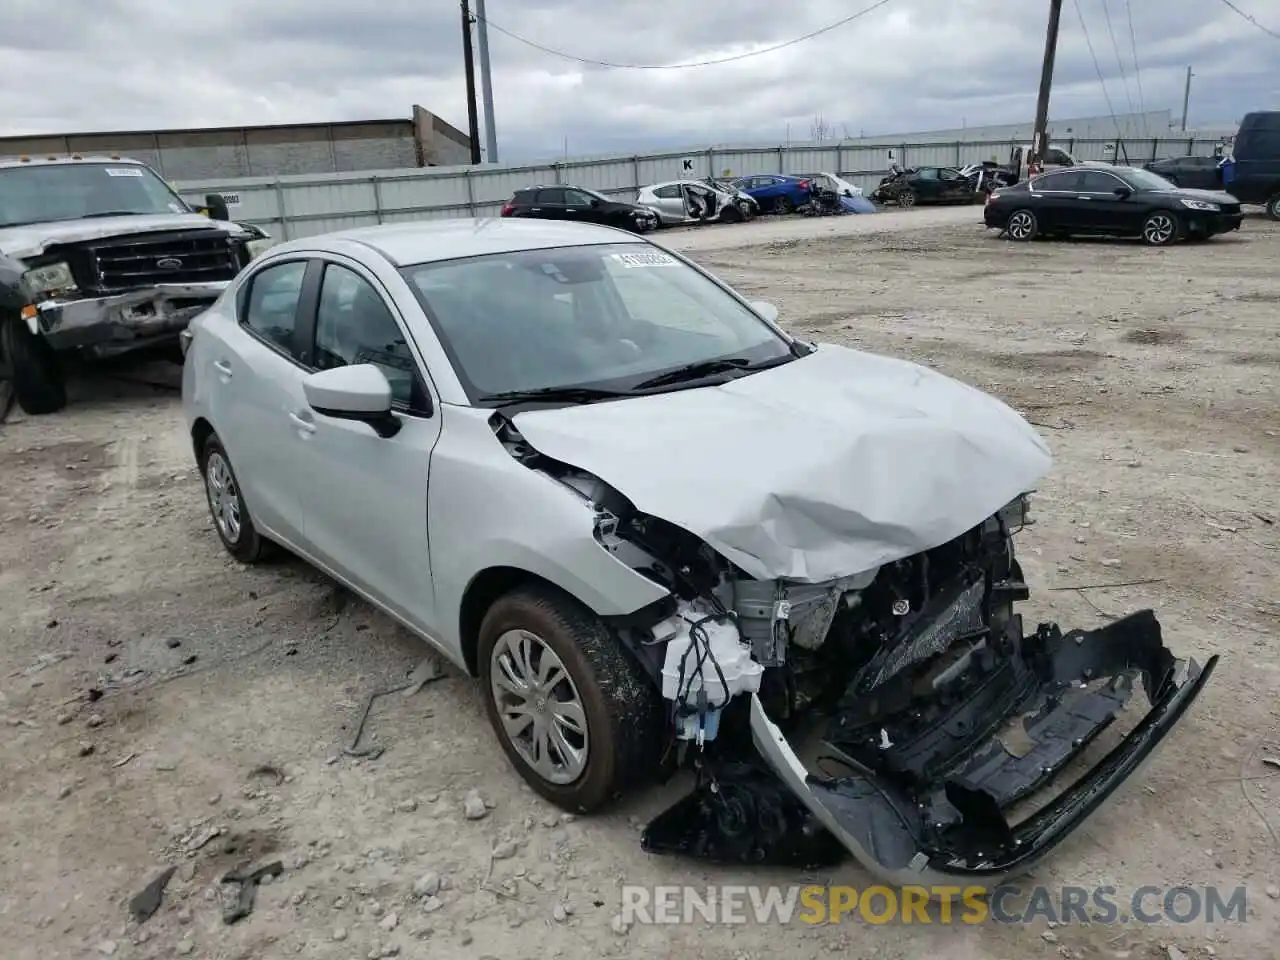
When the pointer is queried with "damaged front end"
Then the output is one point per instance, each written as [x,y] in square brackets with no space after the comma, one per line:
[941,723]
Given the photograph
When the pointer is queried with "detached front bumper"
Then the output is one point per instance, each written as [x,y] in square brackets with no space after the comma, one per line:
[933,782]
[115,324]
[952,828]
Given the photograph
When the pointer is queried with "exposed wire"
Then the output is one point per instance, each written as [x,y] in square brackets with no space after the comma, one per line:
[1266,30]
[1106,13]
[1137,71]
[1098,69]
[686,66]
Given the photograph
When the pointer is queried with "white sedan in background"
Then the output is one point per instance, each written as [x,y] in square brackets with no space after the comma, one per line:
[651,521]
[677,201]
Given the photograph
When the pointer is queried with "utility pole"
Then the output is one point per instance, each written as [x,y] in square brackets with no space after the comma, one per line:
[1186,99]
[468,63]
[1039,136]
[486,85]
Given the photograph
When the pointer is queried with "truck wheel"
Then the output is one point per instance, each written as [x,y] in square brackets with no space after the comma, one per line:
[37,374]
[1273,207]
[574,712]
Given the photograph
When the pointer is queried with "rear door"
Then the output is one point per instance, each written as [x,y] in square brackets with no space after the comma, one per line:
[1054,201]
[367,516]
[550,204]
[670,201]
[258,366]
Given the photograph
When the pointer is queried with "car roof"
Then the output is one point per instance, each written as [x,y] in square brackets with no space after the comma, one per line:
[427,241]
[48,161]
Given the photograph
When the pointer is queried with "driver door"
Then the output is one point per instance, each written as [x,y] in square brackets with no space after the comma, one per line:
[581,207]
[367,519]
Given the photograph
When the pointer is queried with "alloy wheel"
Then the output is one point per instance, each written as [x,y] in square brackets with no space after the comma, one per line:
[224,497]
[1159,229]
[906,199]
[541,711]
[1021,226]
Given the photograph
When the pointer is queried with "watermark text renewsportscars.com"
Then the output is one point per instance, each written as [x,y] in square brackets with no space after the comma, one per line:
[818,904]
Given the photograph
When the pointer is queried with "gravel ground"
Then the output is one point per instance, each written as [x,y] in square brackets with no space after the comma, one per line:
[223,695]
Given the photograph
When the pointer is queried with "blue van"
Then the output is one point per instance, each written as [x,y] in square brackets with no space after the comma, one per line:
[1252,175]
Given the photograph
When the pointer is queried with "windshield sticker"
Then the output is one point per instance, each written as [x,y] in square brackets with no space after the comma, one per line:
[650,259]
[124,171]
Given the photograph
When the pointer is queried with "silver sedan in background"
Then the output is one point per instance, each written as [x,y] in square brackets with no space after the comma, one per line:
[679,201]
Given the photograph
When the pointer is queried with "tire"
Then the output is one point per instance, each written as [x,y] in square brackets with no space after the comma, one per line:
[38,385]
[783,205]
[620,709]
[1160,229]
[907,199]
[732,213]
[226,503]
[1273,207]
[1022,225]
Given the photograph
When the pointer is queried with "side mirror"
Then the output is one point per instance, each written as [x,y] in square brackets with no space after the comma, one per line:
[595,201]
[1124,193]
[217,207]
[766,309]
[359,392]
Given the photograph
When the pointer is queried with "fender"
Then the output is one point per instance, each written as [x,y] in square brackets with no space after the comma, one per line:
[12,295]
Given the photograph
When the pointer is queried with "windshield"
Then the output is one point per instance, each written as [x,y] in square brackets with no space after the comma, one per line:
[607,315]
[45,192]
[1141,179]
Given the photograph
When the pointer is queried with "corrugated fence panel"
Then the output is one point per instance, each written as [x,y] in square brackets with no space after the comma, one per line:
[419,193]
[321,202]
[811,160]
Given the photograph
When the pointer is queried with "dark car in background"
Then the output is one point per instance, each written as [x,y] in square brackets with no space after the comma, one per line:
[1114,201]
[1196,173]
[906,188]
[565,202]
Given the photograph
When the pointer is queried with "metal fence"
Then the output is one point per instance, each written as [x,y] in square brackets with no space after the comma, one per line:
[300,206]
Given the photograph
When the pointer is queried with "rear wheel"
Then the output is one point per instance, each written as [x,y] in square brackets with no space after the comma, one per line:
[1160,229]
[783,205]
[1273,207]
[37,380]
[226,503]
[1022,226]
[574,712]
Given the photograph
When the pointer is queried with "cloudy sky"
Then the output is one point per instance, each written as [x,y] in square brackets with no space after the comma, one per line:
[911,65]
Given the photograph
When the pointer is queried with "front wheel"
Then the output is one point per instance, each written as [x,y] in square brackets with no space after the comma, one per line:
[1022,226]
[574,712]
[1160,229]
[1273,207]
[37,381]
[783,205]
[907,199]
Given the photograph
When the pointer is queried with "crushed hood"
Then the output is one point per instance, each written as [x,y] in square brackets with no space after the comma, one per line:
[824,467]
[33,239]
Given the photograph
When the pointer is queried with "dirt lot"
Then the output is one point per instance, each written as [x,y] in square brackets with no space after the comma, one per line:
[1155,376]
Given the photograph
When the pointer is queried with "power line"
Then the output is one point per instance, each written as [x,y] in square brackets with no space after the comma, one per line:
[686,66]
[1098,69]
[1137,71]
[1106,13]
[1266,30]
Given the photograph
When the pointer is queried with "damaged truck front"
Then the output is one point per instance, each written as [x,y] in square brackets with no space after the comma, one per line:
[837,539]
[100,257]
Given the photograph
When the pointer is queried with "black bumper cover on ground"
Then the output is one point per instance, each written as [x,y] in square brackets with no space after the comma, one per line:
[933,808]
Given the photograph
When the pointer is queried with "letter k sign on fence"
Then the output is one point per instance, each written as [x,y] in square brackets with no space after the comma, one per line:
[688,164]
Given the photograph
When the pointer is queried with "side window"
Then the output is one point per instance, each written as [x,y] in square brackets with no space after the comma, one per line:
[354,325]
[576,198]
[1059,182]
[927,173]
[551,198]
[1093,182]
[669,192]
[271,307]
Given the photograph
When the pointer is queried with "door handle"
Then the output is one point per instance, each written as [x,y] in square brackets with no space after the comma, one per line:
[222,367]
[306,426]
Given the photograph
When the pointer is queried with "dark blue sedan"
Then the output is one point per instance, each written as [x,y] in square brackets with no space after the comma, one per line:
[775,192]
